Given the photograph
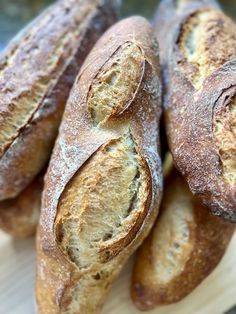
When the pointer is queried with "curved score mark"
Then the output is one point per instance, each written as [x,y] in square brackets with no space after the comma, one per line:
[206,43]
[116,83]
[100,208]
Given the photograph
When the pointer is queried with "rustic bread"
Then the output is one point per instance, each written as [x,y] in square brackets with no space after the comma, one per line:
[104,181]
[19,216]
[37,71]
[198,56]
[185,245]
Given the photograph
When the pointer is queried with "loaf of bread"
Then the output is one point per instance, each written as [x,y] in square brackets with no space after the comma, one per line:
[104,182]
[198,57]
[185,245]
[37,71]
[19,216]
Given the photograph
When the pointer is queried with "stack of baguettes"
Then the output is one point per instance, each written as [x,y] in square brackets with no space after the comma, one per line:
[103,186]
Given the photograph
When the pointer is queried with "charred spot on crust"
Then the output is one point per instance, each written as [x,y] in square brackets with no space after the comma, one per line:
[116,83]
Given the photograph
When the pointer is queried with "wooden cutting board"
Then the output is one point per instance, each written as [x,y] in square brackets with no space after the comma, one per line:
[215,295]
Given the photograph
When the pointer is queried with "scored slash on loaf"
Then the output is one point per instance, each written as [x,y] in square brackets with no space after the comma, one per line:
[198,57]
[103,186]
[104,182]
[183,248]
[38,69]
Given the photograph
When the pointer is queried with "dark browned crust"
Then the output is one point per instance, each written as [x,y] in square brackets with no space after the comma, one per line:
[78,140]
[26,154]
[209,236]
[189,115]
[19,217]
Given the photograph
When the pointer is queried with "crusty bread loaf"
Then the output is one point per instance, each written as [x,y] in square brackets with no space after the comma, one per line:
[198,56]
[104,181]
[185,245]
[37,71]
[19,216]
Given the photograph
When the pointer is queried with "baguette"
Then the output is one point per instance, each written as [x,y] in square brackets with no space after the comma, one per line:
[184,247]
[19,217]
[37,71]
[198,57]
[104,181]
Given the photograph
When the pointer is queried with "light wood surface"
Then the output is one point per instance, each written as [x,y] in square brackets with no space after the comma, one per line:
[215,295]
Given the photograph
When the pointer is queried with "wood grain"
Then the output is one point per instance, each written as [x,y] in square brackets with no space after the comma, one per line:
[215,295]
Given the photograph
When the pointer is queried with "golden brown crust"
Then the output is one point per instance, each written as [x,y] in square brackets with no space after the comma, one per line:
[205,41]
[87,233]
[199,67]
[185,245]
[49,53]
[19,217]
